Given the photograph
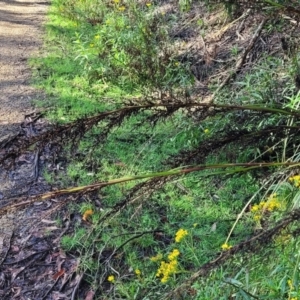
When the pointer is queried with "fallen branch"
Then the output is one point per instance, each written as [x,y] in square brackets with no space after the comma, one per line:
[78,128]
[238,167]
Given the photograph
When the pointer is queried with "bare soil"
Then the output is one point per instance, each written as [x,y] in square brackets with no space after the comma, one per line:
[26,257]
[20,36]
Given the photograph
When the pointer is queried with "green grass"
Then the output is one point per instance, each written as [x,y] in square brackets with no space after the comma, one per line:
[100,58]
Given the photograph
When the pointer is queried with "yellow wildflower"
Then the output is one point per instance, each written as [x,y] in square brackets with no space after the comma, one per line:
[121,8]
[206,131]
[111,278]
[173,255]
[254,208]
[180,234]
[262,204]
[225,247]
[97,37]
[91,45]
[256,218]
[296,180]
[117,1]
[148,4]
[138,273]
[166,270]
[272,203]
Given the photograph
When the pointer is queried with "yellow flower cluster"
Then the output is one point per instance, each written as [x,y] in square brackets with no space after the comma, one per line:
[296,180]
[173,255]
[111,278]
[271,204]
[169,268]
[226,247]
[180,234]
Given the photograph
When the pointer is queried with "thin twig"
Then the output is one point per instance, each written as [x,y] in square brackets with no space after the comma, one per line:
[36,165]
[76,287]
[51,288]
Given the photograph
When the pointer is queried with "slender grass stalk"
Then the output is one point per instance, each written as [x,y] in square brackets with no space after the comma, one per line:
[239,167]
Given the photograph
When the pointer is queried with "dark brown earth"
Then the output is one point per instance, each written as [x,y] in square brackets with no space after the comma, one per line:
[31,263]
[20,36]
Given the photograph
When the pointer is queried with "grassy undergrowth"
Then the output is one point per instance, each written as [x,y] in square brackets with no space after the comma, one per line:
[144,239]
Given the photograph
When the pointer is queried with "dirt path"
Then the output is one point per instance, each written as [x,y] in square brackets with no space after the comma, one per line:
[20,37]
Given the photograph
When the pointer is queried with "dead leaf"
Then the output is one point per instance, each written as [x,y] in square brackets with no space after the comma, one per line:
[23,158]
[87,214]
[48,221]
[62,253]
[59,296]
[50,228]
[213,227]
[89,295]
[65,278]
[24,240]
[58,274]
[59,263]
[16,291]
[2,280]
[16,272]
[15,248]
